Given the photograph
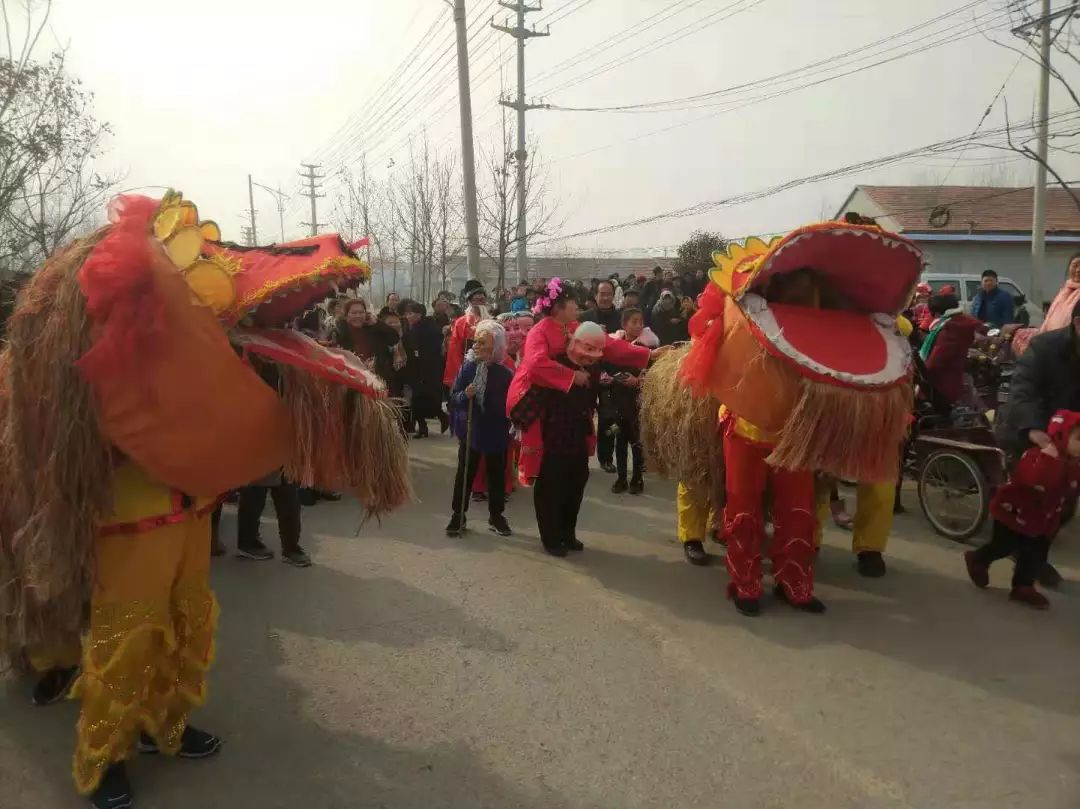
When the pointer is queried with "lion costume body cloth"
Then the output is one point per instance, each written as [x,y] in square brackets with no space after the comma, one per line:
[818,381]
[128,405]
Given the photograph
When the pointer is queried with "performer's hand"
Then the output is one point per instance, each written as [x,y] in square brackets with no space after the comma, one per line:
[631,381]
[470,390]
[605,379]
[581,379]
[445,330]
[1039,439]
[657,353]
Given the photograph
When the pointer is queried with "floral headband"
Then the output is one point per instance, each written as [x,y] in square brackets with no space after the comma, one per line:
[551,294]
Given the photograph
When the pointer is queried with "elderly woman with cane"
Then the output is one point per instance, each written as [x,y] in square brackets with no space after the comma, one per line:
[478,400]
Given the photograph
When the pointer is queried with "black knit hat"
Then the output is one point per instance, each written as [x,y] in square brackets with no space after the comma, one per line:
[472,287]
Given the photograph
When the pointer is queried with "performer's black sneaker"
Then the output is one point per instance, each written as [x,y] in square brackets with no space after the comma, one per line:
[114,791]
[575,544]
[456,525]
[297,557]
[619,486]
[814,606]
[257,552]
[750,607]
[194,743]
[54,685]
[871,564]
[637,486]
[555,550]
[695,553]
[499,525]
[609,467]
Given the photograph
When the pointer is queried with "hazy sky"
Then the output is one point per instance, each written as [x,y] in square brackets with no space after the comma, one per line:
[202,93]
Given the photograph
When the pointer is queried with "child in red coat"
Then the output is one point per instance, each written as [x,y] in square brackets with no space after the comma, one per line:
[1027,510]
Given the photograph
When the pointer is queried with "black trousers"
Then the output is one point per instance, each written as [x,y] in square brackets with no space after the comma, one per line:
[1030,552]
[627,441]
[286,497]
[557,496]
[605,441]
[495,464]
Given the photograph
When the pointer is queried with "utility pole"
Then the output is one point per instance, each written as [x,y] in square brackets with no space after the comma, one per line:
[521,33]
[1038,227]
[279,200]
[312,194]
[251,211]
[468,158]
[249,238]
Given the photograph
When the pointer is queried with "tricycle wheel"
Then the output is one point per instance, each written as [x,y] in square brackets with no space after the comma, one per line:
[954,494]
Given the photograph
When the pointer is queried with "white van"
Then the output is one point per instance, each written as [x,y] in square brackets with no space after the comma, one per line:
[967,286]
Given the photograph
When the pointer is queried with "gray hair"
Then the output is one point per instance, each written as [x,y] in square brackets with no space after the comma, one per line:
[498,334]
[589,329]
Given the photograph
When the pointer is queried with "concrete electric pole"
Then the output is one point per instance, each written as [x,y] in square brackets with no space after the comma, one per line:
[468,157]
[251,211]
[521,33]
[1038,227]
[312,194]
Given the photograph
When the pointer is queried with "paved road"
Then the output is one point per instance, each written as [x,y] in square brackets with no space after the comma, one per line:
[409,670]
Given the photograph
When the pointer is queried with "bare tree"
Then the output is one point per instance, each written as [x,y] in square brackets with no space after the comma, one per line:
[1065,42]
[497,200]
[427,212]
[49,140]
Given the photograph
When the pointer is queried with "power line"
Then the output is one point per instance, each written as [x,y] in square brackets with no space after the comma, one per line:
[948,37]
[614,39]
[945,146]
[702,100]
[647,49]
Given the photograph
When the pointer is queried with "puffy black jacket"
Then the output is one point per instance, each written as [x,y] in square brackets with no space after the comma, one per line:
[1046,379]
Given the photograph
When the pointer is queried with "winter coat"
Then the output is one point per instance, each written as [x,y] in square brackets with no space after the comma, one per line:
[424,359]
[490,430]
[1040,486]
[1046,379]
[996,308]
[379,350]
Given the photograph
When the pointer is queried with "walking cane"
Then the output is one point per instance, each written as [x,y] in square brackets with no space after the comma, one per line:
[465,476]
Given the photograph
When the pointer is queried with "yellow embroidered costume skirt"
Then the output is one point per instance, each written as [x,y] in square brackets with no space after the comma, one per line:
[152,624]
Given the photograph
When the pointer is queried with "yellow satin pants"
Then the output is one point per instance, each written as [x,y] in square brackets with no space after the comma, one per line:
[150,642]
[692,509]
[873,514]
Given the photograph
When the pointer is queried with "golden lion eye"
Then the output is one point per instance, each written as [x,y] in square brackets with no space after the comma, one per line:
[184,246]
[166,223]
[212,285]
[210,231]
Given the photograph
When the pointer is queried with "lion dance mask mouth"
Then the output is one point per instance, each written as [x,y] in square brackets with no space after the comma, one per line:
[798,335]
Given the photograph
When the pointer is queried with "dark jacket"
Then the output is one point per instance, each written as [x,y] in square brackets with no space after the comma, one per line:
[380,340]
[490,431]
[424,366]
[996,308]
[670,325]
[610,319]
[1046,379]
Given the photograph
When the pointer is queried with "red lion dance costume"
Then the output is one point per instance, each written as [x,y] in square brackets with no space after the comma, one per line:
[128,405]
[797,339]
